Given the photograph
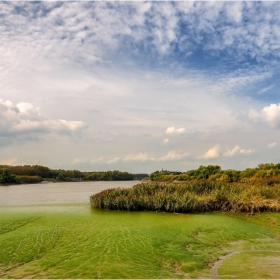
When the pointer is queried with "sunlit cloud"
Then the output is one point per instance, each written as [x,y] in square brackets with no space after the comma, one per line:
[271,145]
[212,153]
[139,157]
[173,156]
[247,152]
[232,152]
[269,114]
[24,119]
[175,131]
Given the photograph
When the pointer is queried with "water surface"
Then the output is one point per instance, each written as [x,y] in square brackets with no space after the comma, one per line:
[53,193]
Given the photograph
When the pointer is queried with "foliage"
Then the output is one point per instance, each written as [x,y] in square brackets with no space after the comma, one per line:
[6,177]
[164,175]
[108,176]
[30,174]
[29,179]
[199,196]
[263,172]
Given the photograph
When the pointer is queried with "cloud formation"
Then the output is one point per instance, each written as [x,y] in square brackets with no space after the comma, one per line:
[144,157]
[246,152]
[271,145]
[212,153]
[237,150]
[269,114]
[232,152]
[175,131]
[135,73]
[23,119]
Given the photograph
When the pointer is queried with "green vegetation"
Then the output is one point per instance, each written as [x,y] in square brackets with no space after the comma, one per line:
[6,177]
[200,196]
[264,172]
[37,173]
[261,264]
[74,241]
[268,172]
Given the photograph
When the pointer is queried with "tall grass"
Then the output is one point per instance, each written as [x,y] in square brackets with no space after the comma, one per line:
[200,196]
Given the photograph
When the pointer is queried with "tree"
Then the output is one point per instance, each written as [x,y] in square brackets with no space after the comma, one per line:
[203,172]
[5,175]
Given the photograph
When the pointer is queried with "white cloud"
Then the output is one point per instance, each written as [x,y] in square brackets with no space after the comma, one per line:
[25,107]
[173,156]
[114,160]
[23,119]
[79,160]
[271,145]
[97,28]
[145,157]
[142,157]
[236,150]
[269,114]
[97,160]
[265,89]
[63,125]
[166,141]
[247,152]
[232,152]
[173,131]
[212,153]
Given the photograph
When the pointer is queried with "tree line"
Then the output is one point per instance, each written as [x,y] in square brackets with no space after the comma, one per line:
[264,171]
[37,173]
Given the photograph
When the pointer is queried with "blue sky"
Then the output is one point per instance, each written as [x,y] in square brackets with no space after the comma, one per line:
[139,86]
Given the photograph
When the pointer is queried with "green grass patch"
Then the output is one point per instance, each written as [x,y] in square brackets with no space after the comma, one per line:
[75,241]
[251,265]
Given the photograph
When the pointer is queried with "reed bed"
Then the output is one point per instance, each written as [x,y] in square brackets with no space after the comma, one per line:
[200,196]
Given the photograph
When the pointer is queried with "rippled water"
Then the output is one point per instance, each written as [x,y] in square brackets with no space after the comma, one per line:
[53,193]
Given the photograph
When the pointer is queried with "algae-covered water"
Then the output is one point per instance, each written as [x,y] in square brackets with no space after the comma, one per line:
[74,241]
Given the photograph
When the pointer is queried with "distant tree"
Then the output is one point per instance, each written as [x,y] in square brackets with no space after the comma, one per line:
[230,175]
[60,176]
[203,172]
[6,176]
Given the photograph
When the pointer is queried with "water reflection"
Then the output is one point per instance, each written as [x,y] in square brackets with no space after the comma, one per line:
[55,193]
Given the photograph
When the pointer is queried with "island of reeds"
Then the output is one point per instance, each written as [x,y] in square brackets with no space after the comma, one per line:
[206,189]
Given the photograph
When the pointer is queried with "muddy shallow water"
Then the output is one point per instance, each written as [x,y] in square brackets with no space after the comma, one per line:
[53,193]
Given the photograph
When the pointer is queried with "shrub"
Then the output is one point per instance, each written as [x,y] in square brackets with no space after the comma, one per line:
[29,179]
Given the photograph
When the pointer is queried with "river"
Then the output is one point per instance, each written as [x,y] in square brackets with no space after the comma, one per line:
[54,193]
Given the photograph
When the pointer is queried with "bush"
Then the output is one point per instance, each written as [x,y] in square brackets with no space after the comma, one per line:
[29,179]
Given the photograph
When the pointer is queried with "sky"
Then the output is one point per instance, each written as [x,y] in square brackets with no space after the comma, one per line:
[139,86]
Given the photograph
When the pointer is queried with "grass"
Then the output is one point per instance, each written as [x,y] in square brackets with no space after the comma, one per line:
[251,265]
[196,196]
[75,241]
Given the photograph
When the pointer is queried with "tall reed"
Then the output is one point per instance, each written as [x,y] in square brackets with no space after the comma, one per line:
[198,196]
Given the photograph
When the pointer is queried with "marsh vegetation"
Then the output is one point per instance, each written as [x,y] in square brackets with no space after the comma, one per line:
[196,196]
[74,241]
